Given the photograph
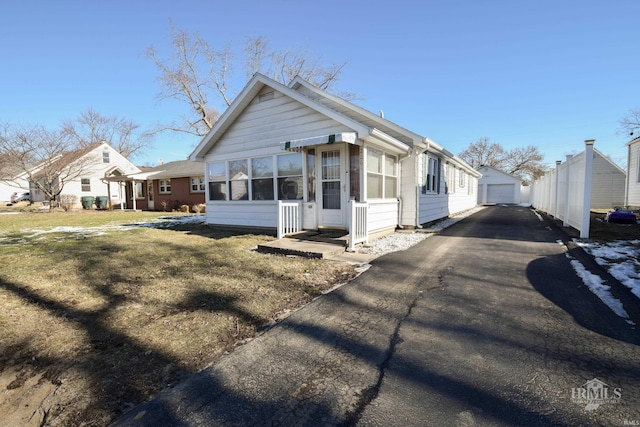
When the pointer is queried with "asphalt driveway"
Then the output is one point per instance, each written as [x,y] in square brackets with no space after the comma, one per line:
[485,323]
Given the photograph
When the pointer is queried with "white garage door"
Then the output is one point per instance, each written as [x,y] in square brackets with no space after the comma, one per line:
[500,193]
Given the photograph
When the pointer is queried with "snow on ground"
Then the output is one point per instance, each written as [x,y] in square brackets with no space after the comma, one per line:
[30,234]
[402,240]
[602,291]
[620,258]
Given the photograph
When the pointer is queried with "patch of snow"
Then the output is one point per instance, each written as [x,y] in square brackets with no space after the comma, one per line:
[525,205]
[620,258]
[538,215]
[86,232]
[602,291]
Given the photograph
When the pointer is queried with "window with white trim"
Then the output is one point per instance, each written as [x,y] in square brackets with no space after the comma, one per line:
[197,184]
[262,178]
[86,184]
[382,175]
[239,179]
[450,179]
[164,186]
[290,177]
[217,181]
[139,190]
[462,178]
[430,174]
[105,157]
[638,166]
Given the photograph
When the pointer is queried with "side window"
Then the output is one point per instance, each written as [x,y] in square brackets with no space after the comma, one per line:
[86,184]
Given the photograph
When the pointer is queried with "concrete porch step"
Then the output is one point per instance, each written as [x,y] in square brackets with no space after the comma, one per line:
[310,244]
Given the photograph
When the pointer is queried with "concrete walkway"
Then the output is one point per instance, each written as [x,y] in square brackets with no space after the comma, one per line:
[483,324]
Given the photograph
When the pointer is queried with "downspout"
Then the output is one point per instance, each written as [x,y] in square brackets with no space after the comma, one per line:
[400,204]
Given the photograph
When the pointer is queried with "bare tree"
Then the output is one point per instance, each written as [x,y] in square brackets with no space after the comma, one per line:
[200,75]
[47,159]
[483,152]
[523,162]
[630,123]
[91,127]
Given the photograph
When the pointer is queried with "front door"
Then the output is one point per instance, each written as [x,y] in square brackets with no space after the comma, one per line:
[150,204]
[332,188]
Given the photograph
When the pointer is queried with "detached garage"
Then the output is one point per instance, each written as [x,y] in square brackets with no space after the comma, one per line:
[498,187]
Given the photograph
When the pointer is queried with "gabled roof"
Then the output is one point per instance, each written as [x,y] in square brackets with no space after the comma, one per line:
[253,87]
[365,123]
[633,141]
[499,171]
[177,169]
[595,150]
[71,157]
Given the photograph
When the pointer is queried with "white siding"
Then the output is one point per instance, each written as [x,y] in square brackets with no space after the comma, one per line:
[259,131]
[607,185]
[382,215]
[437,206]
[243,213]
[262,126]
[633,175]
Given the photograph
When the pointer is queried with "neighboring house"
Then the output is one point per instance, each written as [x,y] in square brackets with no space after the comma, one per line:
[632,196]
[90,172]
[298,155]
[167,187]
[607,184]
[496,186]
[14,180]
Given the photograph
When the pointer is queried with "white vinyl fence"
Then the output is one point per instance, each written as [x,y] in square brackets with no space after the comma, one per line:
[358,222]
[289,218]
[565,192]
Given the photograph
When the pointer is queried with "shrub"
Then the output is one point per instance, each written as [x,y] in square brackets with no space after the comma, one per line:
[68,201]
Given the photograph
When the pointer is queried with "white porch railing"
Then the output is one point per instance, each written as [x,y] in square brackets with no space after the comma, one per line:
[358,229]
[289,218]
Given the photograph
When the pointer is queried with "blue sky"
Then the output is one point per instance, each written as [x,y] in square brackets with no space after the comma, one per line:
[546,73]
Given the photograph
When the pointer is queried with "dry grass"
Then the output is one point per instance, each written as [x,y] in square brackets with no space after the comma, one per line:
[94,324]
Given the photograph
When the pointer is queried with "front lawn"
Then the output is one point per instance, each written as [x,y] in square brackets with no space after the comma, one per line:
[101,310]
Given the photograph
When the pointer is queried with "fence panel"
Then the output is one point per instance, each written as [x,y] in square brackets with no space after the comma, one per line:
[565,192]
[358,224]
[289,218]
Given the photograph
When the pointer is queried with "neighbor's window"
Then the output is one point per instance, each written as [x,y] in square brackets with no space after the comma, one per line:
[262,178]
[139,190]
[381,175]
[105,157]
[217,181]
[239,179]
[197,184]
[164,186]
[462,178]
[290,177]
[450,181]
[638,165]
[431,174]
[86,184]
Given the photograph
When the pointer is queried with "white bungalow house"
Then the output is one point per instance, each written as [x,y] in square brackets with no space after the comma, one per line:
[496,186]
[296,157]
[91,171]
[632,193]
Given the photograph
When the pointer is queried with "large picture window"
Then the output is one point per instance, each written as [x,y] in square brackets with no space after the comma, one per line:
[382,174]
